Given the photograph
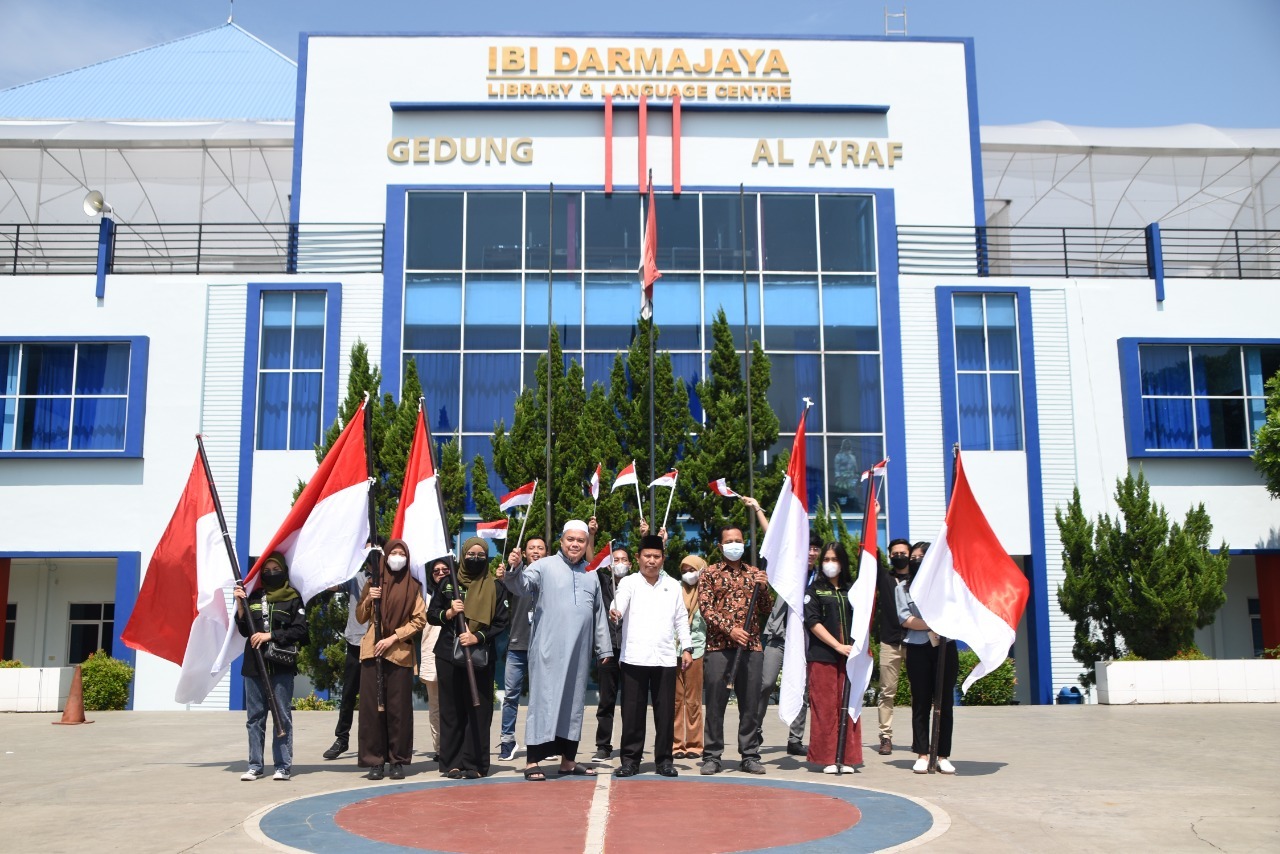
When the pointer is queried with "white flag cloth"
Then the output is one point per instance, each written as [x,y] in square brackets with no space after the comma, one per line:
[492,530]
[626,477]
[521,497]
[862,602]
[418,521]
[668,480]
[721,487]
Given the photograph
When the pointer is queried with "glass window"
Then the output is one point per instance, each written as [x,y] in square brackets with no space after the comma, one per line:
[64,396]
[10,619]
[567,234]
[433,238]
[291,370]
[678,232]
[723,217]
[613,231]
[725,292]
[849,457]
[433,312]
[814,464]
[988,379]
[493,312]
[850,318]
[791,379]
[853,394]
[597,368]
[471,446]
[613,304]
[688,368]
[847,232]
[90,628]
[440,374]
[791,312]
[676,310]
[566,311]
[494,224]
[789,232]
[490,383]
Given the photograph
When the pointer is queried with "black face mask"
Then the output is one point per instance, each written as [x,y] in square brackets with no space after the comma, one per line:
[915,562]
[899,562]
[475,565]
[273,580]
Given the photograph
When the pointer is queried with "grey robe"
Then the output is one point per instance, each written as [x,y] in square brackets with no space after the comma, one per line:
[569,618]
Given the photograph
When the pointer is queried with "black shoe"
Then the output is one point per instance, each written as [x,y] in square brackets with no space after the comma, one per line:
[397,771]
[338,748]
[795,748]
[709,767]
[375,773]
[602,755]
[751,766]
[627,769]
[666,769]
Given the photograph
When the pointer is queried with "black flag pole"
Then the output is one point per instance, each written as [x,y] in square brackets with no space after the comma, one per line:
[551,259]
[277,714]
[375,561]
[935,731]
[746,337]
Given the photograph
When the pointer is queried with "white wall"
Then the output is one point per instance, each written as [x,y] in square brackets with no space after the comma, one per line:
[1230,635]
[44,590]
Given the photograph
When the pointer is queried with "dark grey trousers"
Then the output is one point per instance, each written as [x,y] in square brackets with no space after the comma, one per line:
[747,689]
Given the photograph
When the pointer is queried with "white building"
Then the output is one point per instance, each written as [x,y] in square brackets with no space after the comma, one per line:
[1066,303]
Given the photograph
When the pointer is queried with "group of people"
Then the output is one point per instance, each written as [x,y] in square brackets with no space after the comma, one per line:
[675,646]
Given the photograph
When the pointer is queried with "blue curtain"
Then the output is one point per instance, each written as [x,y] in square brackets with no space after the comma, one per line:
[99,424]
[688,368]
[1168,422]
[277,329]
[46,421]
[971,343]
[1006,412]
[439,374]
[304,427]
[308,332]
[971,391]
[273,411]
[490,383]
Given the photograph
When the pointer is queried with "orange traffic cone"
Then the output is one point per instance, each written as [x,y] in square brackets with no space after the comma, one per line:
[74,711]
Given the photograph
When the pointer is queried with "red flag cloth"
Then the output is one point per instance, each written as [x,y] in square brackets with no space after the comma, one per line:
[492,530]
[786,548]
[862,601]
[626,477]
[667,480]
[521,497]
[968,588]
[649,263]
[604,557]
[418,521]
[721,487]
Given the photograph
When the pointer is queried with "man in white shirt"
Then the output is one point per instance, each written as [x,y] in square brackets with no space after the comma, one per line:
[655,640]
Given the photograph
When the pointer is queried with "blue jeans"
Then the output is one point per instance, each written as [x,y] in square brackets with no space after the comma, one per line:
[513,678]
[258,707]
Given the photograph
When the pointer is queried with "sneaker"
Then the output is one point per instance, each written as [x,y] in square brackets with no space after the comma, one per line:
[375,773]
[830,769]
[507,750]
[709,767]
[751,766]
[336,749]
[281,774]
[921,765]
[795,748]
[848,769]
[397,771]
[886,746]
[945,766]
[251,774]
[602,755]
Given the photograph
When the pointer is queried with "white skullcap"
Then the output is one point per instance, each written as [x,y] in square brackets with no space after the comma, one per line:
[575,525]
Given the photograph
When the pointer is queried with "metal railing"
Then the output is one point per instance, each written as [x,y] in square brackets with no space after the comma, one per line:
[1022,251]
[48,249]
[247,248]
[1220,254]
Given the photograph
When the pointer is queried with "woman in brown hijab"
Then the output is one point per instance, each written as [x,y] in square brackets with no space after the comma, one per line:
[387,737]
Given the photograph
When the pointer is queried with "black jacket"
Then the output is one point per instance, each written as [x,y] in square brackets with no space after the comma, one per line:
[609,589]
[828,606]
[288,621]
[441,601]
[891,630]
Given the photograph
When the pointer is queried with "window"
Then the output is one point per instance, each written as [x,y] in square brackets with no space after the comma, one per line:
[1203,396]
[10,626]
[290,370]
[1255,626]
[75,397]
[90,628]
[988,375]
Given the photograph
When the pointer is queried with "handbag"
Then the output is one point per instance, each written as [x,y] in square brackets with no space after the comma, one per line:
[286,656]
[479,654]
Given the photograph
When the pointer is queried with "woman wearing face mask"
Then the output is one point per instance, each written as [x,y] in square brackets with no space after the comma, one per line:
[274,614]
[829,618]
[437,572]
[464,728]
[387,736]
[688,727]
[924,655]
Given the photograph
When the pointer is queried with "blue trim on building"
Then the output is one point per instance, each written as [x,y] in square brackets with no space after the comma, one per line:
[295,194]
[894,387]
[975,140]
[1155,258]
[653,106]
[1040,667]
[135,408]
[393,248]
[106,239]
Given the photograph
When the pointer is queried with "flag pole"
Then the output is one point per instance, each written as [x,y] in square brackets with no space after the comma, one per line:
[746,336]
[639,503]
[653,465]
[551,260]
[525,520]
[373,558]
[670,496]
[277,714]
[935,732]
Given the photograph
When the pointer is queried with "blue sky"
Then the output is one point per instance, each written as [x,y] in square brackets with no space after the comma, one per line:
[1122,63]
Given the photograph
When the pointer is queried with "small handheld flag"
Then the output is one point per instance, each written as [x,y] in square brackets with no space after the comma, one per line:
[721,487]
[492,530]
[521,497]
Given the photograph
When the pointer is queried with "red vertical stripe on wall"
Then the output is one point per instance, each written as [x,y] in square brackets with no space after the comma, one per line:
[1268,567]
[608,143]
[675,144]
[642,141]
[4,596]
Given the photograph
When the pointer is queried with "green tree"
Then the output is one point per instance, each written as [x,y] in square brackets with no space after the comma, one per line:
[1266,442]
[453,482]
[1137,582]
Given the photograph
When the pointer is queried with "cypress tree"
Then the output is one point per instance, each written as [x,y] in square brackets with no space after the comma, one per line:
[1266,442]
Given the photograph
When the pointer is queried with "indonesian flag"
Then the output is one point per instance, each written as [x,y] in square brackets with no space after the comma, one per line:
[626,477]
[595,483]
[521,497]
[862,602]
[604,557]
[667,480]
[968,587]
[876,470]
[181,612]
[492,530]
[786,547]
[418,518]
[323,538]
[721,487]
[649,260]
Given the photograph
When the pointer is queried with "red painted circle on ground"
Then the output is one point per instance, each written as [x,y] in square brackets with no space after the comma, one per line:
[487,819]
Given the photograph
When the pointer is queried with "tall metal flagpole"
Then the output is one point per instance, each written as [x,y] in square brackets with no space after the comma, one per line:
[653,465]
[551,260]
[746,337]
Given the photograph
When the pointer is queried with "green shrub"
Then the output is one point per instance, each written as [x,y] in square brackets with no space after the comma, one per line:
[903,695]
[1130,656]
[9,663]
[994,689]
[312,703]
[106,682]
[1191,653]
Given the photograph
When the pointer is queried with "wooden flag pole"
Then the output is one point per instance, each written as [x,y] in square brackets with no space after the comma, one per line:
[525,520]
[670,496]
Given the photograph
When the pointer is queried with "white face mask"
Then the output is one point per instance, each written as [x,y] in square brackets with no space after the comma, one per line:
[621,569]
[395,563]
[831,570]
[691,578]
[733,551]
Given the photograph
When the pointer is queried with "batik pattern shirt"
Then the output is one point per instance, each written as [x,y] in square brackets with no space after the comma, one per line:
[724,593]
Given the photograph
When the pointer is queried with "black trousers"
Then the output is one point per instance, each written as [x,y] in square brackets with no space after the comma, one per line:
[747,687]
[350,693]
[464,728]
[640,687]
[607,676]
[386,737]
[922,670]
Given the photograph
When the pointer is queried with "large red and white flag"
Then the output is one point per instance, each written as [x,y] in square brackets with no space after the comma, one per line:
[181,611]
[323,538]
[786,547]
[492,530]
[862,603]
[968,588]
[649,260]
[418,519]
[668,480]
[626,477]
[521,497]
[604,557]
[721,487]
[595,483]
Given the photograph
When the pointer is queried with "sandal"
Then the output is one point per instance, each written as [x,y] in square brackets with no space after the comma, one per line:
[535,774]
[454,774]
[470,774]
[577,771]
